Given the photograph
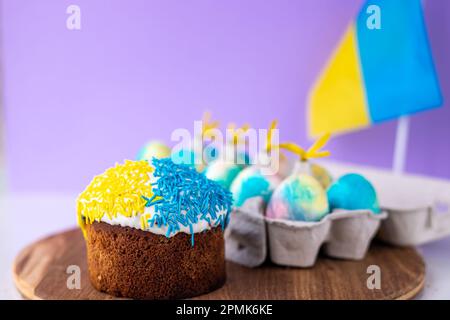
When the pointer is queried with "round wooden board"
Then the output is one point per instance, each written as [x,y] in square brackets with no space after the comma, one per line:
[40,272]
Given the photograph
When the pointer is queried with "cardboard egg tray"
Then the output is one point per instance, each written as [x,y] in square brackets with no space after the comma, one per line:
[251,237]
[418,207]
[416,210]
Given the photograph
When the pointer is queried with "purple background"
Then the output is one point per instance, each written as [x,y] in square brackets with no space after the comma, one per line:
[78,101]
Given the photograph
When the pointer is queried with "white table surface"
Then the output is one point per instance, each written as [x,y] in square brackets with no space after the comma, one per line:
[25,218]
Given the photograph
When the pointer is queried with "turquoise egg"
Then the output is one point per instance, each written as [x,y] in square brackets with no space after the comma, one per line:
[184,156]
[239,156]
[243,158]
[353,192]
[222,172]
[152,149]
[210,153]
[299,197]
[251,182]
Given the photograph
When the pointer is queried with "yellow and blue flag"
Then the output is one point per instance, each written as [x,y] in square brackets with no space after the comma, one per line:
[376,74]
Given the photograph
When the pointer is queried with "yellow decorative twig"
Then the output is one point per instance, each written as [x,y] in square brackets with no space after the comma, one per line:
[313,152]
[273,126]
[207,124]
[237,132]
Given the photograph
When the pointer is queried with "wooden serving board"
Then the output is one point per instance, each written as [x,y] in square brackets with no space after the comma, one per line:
[40,272]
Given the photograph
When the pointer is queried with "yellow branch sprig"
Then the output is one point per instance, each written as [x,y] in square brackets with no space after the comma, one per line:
[236,133]
[313,152]
[273,126]
[208,125]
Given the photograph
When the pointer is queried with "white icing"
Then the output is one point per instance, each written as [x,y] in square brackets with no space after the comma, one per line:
[135,222]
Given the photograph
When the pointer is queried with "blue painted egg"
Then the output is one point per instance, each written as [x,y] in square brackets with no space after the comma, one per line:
[237,155]
[353,192]
[210,153]
[252,182]
[243,158]
[222,172]
[184,156]
[299,197]
[152,149]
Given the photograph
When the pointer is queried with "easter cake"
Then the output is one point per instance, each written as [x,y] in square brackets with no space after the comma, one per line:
[154,230]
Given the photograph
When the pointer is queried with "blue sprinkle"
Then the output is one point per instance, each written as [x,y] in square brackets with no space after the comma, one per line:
[192,234]
[187,197]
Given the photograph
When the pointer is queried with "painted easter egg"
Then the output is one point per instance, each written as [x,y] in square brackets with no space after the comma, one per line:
[222,172]
[243,158]
[299,197]
[321,174]
[285,166]
[353,192]
[237,155]
[281,164]
[184,156]
[152,149]
[252,182]
[210,153]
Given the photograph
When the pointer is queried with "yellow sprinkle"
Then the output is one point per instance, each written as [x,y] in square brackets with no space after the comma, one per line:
[144,220]
[118,190]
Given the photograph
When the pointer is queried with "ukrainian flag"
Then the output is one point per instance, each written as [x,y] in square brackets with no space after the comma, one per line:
[376,74]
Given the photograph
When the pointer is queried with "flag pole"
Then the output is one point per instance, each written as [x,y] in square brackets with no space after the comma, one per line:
[401,145]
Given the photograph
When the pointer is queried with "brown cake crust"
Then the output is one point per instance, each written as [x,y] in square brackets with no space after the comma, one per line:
[128,262]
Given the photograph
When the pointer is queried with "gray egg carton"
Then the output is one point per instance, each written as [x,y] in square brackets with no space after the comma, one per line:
[418,207]
[251,237]
[416,210]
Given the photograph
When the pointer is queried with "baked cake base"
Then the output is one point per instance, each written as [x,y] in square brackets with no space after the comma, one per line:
[128,262]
